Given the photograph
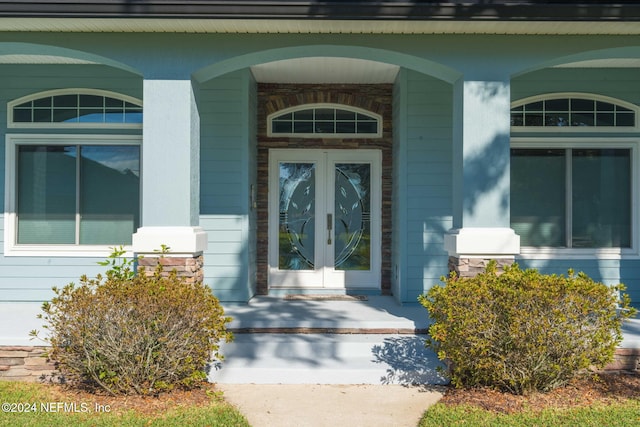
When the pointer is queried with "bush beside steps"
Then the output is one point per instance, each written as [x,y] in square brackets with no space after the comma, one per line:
[129,333]
[523,331]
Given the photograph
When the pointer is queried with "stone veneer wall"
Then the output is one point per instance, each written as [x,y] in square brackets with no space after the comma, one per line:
[24,363]
[624,360]
[275,97]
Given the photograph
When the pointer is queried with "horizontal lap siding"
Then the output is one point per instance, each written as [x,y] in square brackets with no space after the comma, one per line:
[31,278]
[429,186]
[621,84]
[224,183]
[610,272]
[226,246]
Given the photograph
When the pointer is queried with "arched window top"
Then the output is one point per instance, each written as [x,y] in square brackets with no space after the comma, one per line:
[75,108]
[573,111]
[326,121]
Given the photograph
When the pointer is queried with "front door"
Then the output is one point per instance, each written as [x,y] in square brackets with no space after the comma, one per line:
[324,218]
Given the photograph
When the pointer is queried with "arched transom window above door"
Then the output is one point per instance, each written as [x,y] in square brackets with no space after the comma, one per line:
[324,121]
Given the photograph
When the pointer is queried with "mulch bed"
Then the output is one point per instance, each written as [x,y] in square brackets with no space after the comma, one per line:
[146,405]
[604,389]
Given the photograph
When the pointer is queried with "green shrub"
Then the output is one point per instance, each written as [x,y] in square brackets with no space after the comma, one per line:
[522,331]
[134,333]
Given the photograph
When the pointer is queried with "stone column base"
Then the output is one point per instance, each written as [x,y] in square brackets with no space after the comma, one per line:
[185,247]
[190,268]
[470,267]
[471,249]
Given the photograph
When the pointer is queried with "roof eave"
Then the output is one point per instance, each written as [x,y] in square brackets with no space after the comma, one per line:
[469,10]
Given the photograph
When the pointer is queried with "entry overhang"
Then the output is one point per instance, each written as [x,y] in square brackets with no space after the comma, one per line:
[460,10]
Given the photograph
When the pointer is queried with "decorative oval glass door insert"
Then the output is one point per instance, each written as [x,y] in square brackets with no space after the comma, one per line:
[353,215]
[297,216]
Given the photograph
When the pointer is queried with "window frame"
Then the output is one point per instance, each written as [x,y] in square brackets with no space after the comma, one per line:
[575,129]
[377,117]
[74,125]
[599,142]
[12,142]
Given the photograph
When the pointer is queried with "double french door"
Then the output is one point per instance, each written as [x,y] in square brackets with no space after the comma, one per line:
[324,218]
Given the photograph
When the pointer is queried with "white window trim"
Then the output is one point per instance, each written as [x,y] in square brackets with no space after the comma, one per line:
[70,91]
[11,247]
[576,129]
[549,253]
[302,107]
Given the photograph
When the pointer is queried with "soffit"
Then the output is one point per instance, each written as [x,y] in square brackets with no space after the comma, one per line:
[325,70]
[603,63]
[316,26]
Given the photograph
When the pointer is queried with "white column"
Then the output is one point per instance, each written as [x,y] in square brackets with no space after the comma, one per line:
[170,169]
[481,165]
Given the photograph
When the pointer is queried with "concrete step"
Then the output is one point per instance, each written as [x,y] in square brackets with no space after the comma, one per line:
[268,358]
[371,341]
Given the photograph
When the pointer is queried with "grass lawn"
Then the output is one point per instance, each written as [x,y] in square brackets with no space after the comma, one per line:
[46,405]
[619,414]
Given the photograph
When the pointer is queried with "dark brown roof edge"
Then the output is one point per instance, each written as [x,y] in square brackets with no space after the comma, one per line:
[483,10]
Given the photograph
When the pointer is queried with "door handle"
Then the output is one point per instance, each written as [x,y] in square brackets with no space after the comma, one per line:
[329,227]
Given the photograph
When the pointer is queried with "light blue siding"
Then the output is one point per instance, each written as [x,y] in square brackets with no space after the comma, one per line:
[610,272]
[227,170]
[424,180]
[620,83]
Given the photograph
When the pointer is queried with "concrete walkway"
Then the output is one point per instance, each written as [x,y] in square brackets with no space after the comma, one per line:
[314,405]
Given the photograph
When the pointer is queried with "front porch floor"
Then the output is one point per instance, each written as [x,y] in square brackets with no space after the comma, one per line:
[376,314]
